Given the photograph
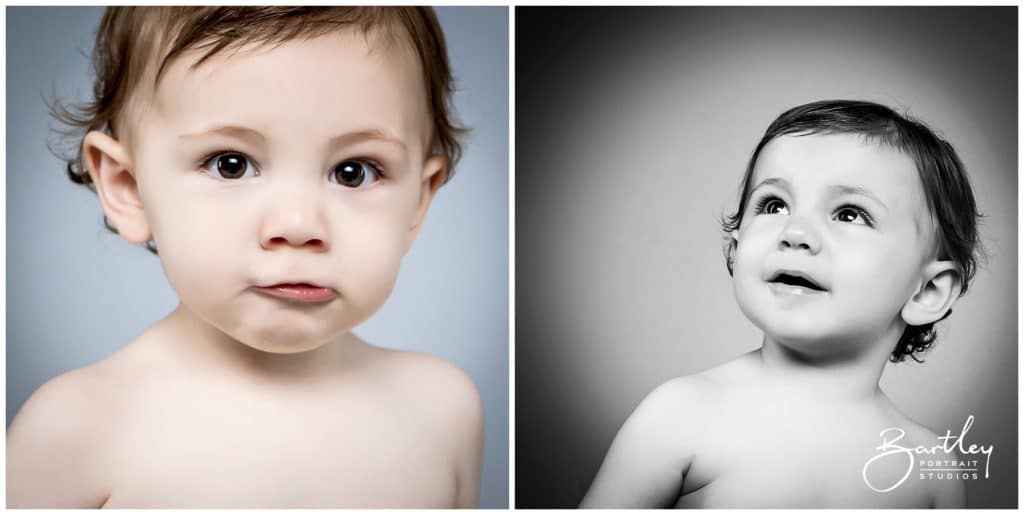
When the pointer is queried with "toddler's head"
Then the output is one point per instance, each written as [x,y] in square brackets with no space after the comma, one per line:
[853,221]
[270,154]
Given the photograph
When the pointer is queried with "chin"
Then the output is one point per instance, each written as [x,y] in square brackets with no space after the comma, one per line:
[798,341]
[800,344]
[816,342]
[274,348]
[797,333]
[285,340]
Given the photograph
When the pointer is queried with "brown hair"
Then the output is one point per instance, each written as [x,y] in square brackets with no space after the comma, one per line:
[129,38]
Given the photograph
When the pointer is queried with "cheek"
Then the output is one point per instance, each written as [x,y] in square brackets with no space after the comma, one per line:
[201,246]
[210,243]
[187,208]
[202,238]
[880,272]
[756,239]
[755,242]
[368,246]
[368,254]
[875,258]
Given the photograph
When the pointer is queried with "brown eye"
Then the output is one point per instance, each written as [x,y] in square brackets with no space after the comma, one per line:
[228,166]
[355,173]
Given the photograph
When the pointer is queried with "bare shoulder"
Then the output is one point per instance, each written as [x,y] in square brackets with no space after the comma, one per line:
[944,493]
[59,437]
[65,401]
[419,377]
[443,404]
[435,394]
[915,433]
[665,418]
[680,397]
[690,396]
[947,492]
[66,405]
[60,443]
[686,396]
[648,458]
[677,405]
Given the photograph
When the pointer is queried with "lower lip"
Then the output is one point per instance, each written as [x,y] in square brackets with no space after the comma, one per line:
[789,289]
[299,292]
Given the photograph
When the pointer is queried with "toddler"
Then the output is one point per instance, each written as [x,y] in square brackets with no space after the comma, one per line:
[280,161]
[856,232]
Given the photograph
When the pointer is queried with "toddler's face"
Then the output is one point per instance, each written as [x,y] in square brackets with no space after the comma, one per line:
[301,163]
[833,241]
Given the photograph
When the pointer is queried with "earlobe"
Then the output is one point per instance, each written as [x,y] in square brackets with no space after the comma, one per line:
[435,169]
[111,170]
[936,295]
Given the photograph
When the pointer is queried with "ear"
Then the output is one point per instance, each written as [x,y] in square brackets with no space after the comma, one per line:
[731,242]
[112,172]
[935,296]
[435,169]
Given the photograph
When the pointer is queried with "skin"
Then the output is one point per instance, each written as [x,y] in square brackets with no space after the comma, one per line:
[801,416]
[239,399]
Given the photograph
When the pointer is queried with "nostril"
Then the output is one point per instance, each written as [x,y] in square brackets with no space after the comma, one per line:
[283,241]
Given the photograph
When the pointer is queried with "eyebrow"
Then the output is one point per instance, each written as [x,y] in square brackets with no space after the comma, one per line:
[771,181]
[255,136]
[857,190]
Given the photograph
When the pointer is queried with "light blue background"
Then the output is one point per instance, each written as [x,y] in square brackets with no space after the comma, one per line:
[76,293]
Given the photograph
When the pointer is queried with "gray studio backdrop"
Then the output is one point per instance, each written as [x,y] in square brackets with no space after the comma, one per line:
[633,128]
[76,293]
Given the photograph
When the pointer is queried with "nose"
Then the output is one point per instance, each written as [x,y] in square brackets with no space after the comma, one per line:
[295,219]
[799,234]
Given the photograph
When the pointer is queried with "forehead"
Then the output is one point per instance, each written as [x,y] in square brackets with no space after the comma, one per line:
[840,159]
[818,162]
[339,82]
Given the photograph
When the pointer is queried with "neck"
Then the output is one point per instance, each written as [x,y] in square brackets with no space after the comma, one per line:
[851,377]
[194,338]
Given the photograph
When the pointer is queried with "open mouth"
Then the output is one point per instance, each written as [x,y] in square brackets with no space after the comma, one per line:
[796,279]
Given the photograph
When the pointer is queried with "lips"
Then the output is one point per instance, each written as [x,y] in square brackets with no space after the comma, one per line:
[795,279]
[302,292]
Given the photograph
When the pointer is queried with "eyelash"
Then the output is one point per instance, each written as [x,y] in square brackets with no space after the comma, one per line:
[870,222]
[206,160]
[763,202]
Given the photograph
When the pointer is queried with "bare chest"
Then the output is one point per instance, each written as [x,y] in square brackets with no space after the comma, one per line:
[790,460]
[249,453]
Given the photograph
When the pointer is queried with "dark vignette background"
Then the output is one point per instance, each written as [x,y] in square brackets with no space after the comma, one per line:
[633,126]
